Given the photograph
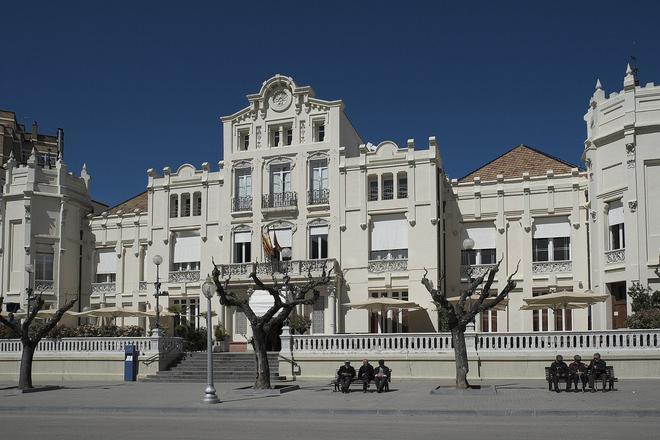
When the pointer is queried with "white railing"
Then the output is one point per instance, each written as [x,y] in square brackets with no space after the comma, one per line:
[293,267]
[379,266]
[553,341]
[145,345]
[104,287]
[541,267]
[184,276]
[615,256]
[605,340]
[379,343]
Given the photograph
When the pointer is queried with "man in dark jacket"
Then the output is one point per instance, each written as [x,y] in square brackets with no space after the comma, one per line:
[381,376]
[597,370]
[345,376]
[366,374]
[578,372]
[559,370]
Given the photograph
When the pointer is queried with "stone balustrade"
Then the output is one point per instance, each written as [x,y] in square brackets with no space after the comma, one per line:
[605,340]
[104,287]
[543,267]
[615,256]
[184,276]
[394,265]
[146,345]
[295,268]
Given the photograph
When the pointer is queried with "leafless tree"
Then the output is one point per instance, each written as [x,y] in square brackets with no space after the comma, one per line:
[464,311]
[30,340]
[286,296]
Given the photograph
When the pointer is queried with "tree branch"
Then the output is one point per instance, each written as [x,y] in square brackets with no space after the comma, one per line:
[510,285]
[52,322]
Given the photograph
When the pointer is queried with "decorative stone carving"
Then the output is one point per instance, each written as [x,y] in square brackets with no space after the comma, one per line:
[184,276]
[552,267]
[475,270]
[258,136]
[104,287]
[302,132]
[593,215]
[280,99]
[615,256]
[44,286]
[632,204]
[630,148]
[379,266]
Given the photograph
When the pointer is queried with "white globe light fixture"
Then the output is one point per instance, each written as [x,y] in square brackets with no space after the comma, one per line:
[286,253]
[468,244]
[158,260]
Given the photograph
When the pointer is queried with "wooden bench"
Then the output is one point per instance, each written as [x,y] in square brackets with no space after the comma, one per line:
[567,380]
[335,382]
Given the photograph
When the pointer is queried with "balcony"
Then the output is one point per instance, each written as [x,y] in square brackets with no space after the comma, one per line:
[294,268]
[475,270]
[318,197]
[241,204]
[280,200]
[392,265]
[615,256]
[544,267]
[104,288]
[45,286]
[184,276]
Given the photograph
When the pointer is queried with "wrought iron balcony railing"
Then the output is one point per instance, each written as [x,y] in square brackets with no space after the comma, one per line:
[294,268]
[104,287]
[243,203]
[318,197]
[280,200]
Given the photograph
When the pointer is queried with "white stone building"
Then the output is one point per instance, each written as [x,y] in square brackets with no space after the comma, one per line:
[295,168]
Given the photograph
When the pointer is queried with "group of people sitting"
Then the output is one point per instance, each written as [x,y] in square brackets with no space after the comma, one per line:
[578,373]
[367,373]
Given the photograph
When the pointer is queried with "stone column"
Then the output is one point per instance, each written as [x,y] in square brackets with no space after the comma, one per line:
[332,309]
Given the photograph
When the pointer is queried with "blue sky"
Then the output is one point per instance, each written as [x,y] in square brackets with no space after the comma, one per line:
[138,85]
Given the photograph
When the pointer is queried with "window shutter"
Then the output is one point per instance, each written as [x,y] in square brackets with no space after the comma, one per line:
[187,248]
[484,235]
[615,213]
[242,237]
[284,237]
[106,261]
[389,232]
[550,227]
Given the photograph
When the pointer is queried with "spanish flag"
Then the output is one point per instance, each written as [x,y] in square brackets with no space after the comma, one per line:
[267,245]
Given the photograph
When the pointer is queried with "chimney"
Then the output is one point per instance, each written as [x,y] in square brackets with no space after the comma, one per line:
[34,130]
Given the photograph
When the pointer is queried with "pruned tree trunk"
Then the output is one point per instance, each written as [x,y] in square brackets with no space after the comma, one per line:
[25,378]
[259,343]
[461,357]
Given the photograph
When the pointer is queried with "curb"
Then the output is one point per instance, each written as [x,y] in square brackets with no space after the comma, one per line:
[197,409]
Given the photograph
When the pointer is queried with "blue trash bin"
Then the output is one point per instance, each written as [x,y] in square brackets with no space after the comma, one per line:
[131,358]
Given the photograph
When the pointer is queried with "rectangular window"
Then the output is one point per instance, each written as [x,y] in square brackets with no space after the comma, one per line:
[563,320]
[242,247]
[197,204]
[185,205]
[373,189]
[106,277]
[318,314]
[318,242]
[185,266]
[539,317]
[187,251]
[280,179]
[174,206]
[540,249]
[284,239]
[389,237]
[320,132]
[43,266]
[487,256]
[243,140]
[489,321]
[617,237]
[402,189]
[561,248]
[468,257]
[289,136]
[275,137]
[388,187]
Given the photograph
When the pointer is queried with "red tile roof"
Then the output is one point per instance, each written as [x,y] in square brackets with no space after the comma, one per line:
[137,202]
[517,161]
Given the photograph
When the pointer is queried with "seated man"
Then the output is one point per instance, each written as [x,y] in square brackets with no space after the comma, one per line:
[559,370]
[381,377]
[597,370]
[345,375]
[578,372]
[366,374]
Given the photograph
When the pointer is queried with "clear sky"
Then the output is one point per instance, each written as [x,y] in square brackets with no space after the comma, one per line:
[140,85]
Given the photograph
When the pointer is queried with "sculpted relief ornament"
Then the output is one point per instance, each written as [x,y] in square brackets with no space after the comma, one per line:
[280,99]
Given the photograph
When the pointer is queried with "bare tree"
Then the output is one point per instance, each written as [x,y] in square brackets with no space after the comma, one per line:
[286,296]
[459,315]
[30,340]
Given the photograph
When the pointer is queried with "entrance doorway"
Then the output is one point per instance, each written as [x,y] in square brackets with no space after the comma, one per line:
[619,304]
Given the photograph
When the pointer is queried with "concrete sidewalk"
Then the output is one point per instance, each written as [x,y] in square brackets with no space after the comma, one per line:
[634,398]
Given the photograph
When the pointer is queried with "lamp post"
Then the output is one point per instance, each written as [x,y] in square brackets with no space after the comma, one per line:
[208,289]
[468,245]
[29,290]
[158,260]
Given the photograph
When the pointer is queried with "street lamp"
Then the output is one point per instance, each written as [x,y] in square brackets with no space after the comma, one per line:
[158,260]
[29,290]
[208,289]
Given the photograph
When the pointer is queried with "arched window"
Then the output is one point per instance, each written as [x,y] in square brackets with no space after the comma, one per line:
[197,203]
[174,206]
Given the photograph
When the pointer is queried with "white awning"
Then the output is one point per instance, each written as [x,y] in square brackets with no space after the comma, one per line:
[550,227]
[106,261]
[615,213]
[389,232]
[484,235]
[242,237]
[318,230]
[261,301]
[187,248]
[284,237]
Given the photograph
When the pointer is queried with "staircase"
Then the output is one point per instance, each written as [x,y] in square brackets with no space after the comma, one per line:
[227,367]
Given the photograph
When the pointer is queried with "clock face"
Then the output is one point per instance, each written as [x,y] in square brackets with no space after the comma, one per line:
[280,99]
